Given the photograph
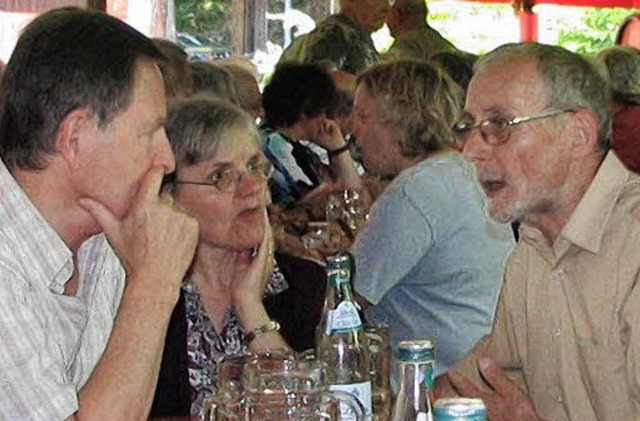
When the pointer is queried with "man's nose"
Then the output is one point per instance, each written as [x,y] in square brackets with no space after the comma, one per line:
[164,157]
[475,148]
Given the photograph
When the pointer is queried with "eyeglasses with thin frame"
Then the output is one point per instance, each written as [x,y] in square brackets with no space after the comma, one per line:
[227,180]
[497,130]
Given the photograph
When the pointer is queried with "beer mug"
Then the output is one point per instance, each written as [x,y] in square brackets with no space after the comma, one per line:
[281,386]
[228,403]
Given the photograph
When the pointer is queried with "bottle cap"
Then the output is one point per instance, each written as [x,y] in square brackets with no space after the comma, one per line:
[415,351]
[339,261]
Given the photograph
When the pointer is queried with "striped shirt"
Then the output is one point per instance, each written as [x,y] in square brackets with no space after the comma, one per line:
[49,342]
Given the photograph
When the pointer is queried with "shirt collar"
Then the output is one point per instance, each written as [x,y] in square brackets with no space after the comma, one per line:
[44,253]
[588,221]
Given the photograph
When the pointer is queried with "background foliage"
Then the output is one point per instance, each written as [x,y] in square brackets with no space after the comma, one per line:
[598,30]
[594,29]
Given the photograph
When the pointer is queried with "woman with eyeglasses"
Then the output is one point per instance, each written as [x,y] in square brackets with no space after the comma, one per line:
[221,180]
[438,272]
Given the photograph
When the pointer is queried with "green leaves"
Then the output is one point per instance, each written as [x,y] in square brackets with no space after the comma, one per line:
[598,30]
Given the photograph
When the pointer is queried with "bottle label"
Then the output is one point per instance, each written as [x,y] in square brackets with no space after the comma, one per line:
[344,318]
[339,277]
[424,416]
[360,391]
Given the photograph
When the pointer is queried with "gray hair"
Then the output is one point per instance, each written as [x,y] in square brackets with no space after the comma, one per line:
[419,101]
[572,81]
[623,64]
[215,80]
[197,127]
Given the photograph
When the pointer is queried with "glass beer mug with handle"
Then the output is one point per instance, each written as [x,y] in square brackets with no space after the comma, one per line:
[228,403]
[281,386]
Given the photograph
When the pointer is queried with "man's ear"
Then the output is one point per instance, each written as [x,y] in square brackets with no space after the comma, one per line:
[586,124]
[73,128]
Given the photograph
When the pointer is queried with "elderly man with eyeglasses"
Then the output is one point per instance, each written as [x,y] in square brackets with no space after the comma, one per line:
[564,344]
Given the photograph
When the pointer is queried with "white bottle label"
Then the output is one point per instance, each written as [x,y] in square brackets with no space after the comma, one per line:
[344,318]
[423,416]
[362,392]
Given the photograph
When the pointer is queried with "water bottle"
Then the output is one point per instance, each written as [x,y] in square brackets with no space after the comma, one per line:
[415,362]
[340,339]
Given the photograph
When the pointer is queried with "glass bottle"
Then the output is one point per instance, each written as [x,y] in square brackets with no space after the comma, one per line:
[379,354]
[415,362]
[340,339]
[460,409]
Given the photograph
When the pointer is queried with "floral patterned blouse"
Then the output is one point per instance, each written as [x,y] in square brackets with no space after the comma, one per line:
[206,348]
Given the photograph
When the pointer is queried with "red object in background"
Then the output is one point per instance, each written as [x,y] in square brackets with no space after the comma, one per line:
[528,26]
[629,32]
[630,4]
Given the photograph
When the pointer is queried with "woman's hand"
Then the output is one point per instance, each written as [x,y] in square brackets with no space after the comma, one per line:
[330,136]
[254,271]
[248,288]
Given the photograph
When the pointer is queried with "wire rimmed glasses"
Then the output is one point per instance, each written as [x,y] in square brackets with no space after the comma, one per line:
[496,131]
[227,180]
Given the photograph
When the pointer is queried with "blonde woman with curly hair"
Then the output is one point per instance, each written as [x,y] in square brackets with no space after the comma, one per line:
[438,272]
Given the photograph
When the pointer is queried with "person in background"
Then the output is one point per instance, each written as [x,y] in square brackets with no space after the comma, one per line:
[211,79]
[457,64]
[564,345]
[345,84]
[414,38]
[92,254]
[438,271]
[247,90]
[297,102]
[175,68]
[221,180]
[623,65]
[341,41]
[629,31]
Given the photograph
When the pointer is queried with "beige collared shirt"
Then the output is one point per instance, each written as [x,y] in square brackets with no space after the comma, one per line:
[568,319]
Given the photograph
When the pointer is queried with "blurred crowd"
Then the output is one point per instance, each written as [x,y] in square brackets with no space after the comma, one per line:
[160,215]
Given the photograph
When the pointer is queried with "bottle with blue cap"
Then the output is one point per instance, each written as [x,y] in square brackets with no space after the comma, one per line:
[415,361]
[460,409]
[340,337]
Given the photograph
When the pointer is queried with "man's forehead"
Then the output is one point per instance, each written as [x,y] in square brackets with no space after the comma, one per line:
[506,84]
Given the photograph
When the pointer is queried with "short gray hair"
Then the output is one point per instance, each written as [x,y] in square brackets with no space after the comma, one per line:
[196,127]
[623,64]
[572,81]
[419,101]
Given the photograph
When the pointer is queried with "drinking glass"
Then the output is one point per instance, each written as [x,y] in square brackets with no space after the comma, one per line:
[376,338]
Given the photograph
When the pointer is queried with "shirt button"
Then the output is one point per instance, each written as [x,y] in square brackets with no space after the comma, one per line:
[556,332]
[558,271]
[559,398]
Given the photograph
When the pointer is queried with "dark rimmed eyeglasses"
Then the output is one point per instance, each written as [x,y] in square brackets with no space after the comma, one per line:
[496,130]
[227,180]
